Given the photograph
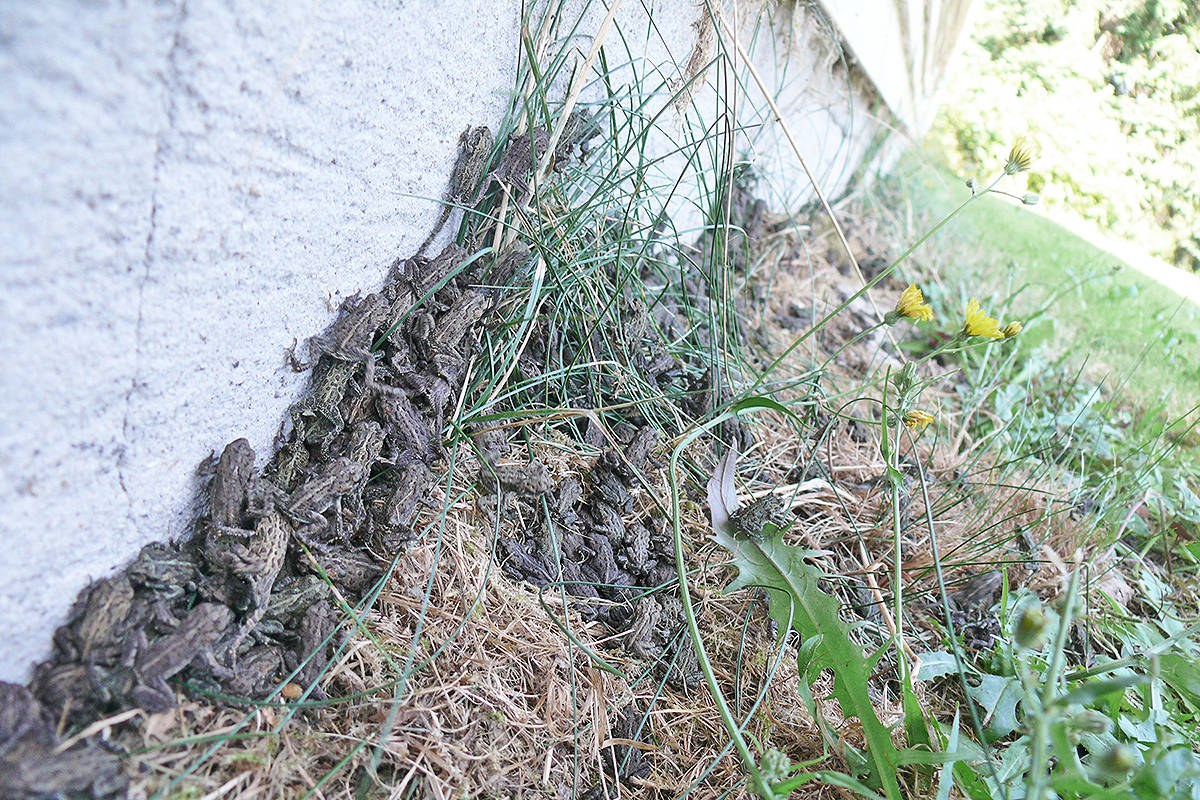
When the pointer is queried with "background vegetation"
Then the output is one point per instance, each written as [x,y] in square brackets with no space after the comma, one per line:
[1081,304]
[1110,92]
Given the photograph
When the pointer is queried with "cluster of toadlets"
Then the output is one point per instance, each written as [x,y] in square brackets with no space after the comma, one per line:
[257,595]
[253,596]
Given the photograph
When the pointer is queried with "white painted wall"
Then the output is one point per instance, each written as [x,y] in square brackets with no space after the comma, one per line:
[905,46]
[189,186]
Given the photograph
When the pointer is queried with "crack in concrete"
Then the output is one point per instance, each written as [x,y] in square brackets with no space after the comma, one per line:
[170,80]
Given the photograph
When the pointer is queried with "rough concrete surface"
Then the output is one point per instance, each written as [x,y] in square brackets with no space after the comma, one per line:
[189,187]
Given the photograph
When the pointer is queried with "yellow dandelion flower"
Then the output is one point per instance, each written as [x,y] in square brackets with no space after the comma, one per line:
[1012,329]
[980,324]
[1020,157]
[917,420]
[911,305]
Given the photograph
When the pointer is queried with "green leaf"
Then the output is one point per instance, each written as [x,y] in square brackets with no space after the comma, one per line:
[935,664]
[946,775]
[1090,692]
[794,599]
[1174,774]
[916,730]
[781,569]
[998,697]
[895,477]
[926,757]
[965,771]
[1183,676]
[784,788]
[806,658]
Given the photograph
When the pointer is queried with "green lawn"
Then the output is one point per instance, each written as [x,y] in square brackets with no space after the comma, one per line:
[1139,337]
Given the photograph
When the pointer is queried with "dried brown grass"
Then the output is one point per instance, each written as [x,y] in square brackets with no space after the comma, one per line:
[466,686]
[504,705]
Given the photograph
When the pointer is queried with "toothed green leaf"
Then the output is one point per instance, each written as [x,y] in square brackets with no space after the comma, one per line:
[795,600]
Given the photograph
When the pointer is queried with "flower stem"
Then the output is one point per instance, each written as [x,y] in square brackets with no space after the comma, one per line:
[883,274]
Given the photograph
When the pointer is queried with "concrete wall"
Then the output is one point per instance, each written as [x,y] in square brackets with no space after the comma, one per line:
[905,46]
[189,186]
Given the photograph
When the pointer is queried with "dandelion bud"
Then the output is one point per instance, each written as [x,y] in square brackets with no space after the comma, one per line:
[1032,628]
[904,378]
[1030,199]
[774,766]
[1121,759]
[1089,721]
[1012,329]
[1060,604]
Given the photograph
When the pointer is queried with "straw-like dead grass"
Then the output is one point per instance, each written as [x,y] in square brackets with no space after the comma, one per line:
[498,702]
[460,682]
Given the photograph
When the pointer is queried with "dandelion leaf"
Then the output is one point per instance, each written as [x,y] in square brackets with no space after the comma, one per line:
[998,696]
[1183,675]
[936,664]
[796,601]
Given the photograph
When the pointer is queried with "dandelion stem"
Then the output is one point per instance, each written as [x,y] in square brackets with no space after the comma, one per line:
[870,284]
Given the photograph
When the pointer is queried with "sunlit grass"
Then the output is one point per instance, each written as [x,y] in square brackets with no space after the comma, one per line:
[1130,332]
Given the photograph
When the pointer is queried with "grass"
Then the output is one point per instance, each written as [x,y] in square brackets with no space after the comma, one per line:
[1061,431]
[1107,92]
[1097,308]
[832,651]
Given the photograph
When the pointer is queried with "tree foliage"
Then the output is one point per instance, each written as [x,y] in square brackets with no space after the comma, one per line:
[1110,92]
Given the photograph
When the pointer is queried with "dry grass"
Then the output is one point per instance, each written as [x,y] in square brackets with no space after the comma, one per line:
[461,683]
[504,704]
